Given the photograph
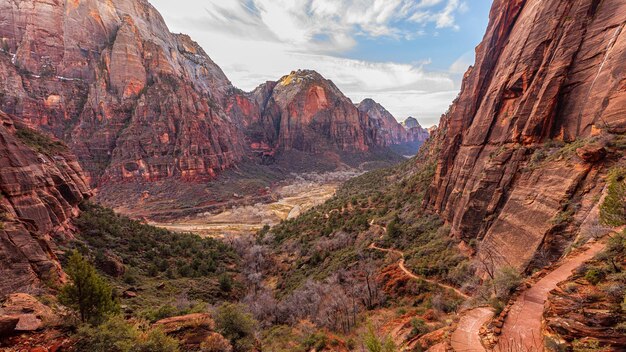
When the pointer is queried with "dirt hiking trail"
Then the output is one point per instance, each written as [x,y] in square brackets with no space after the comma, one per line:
[522,326]
[411,274]
[465,337]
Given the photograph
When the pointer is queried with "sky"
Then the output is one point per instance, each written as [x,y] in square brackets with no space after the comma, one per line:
[409,55]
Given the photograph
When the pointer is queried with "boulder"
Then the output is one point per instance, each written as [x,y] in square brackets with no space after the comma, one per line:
[21,312]
[112,265]
[591,153]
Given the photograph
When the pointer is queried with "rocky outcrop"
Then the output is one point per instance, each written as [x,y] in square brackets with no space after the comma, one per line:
[192,330]
[24,313]
[133,100]
[419,133]
[588,306]
[41,185]
[535,81]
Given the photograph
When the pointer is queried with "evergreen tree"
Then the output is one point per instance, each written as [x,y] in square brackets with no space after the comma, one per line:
[88,292]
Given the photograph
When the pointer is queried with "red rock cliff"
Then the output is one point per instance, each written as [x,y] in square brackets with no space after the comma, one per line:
[304,111]
[386,129]
[41,185]
[133,100]
[546,71]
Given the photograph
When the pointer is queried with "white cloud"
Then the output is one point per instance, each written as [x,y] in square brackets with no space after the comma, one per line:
[461,65]
[259,40]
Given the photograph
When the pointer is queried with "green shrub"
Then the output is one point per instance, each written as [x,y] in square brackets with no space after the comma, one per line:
[118,335]
[226,283]
[587,345]
[505,281]
[236,325]
[418,327]
[39,142]
[317,341]
[374,344]
[88,292]
[613,209]
[594,276]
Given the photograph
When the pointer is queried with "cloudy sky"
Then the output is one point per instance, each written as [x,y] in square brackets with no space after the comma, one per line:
[409,55]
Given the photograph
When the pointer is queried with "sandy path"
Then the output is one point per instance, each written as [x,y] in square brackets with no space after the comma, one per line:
[412,275]
[522,326]
[465,337]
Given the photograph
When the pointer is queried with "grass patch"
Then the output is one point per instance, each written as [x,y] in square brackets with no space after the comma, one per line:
[40,142]
[613,209]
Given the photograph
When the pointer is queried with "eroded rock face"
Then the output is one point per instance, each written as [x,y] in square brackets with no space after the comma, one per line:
[137,103]
[40,192]
[546,70]
[133,100]
[303,111]
[386,129]
[577,310]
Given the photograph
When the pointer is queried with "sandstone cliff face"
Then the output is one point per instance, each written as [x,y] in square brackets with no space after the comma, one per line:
[386,129]
[39,194]
[546,71]
[138,103]
[133,100]
[303,111]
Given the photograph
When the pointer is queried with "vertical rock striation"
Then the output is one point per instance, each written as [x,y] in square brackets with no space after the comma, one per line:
[545,71]
[305,112]
[132,99]
[41,185]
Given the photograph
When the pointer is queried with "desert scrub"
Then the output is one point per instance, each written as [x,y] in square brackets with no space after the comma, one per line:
[153,251]
[613,209]
[118,335]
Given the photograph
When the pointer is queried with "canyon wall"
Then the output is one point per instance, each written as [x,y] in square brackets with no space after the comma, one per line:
[130,98]
[41,185]
[522,147]
[137,102]
[306,112]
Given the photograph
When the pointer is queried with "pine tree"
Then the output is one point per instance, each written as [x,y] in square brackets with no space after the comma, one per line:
[88,292]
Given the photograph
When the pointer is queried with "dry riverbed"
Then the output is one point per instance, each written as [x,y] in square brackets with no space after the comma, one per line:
[300,194]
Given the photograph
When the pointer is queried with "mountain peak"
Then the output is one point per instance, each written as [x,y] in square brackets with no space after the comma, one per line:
[411,122]
[300,76]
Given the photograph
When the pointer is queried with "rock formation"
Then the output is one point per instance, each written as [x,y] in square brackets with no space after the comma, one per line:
[549,77]
[138,103]
[386,129]
[305,112]
[41,185]
[133,100]
[419,133]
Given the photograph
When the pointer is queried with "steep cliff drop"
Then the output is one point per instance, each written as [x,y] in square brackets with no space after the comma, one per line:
[134,101]
[524,146]
[41,185]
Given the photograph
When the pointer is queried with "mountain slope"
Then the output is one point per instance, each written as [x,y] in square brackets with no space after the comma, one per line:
[305,112]
[139,105]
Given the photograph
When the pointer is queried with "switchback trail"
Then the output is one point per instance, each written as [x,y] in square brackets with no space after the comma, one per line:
[522,326]
[465,337]
[412,275]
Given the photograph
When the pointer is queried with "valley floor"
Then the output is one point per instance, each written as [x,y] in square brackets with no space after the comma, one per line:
[288,200]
